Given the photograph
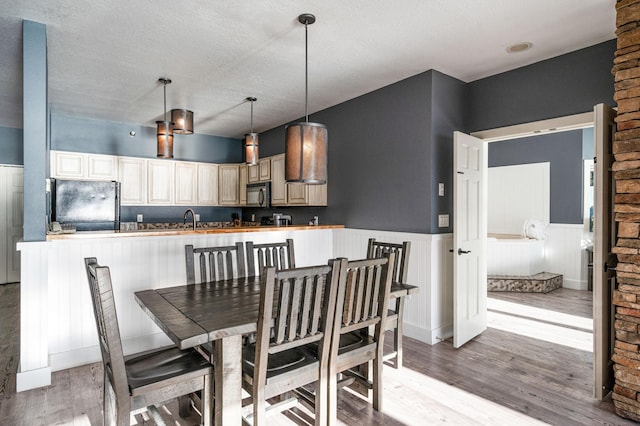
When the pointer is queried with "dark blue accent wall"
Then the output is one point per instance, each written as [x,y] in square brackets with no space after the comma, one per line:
[11,143]
[564,85]
[564,151]
[112,138]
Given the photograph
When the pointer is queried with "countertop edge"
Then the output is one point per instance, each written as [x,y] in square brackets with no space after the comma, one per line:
[172,232]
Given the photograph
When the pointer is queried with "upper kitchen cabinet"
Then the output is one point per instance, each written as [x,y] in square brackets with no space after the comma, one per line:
[253,173]
[185,183]
[207,184]
[278,185]
[261,172]
[161,182]
[244,177]
[229,184]
[75,165]
[132,174]
[293,194]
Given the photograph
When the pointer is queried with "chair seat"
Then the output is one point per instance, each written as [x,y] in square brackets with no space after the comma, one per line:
[278,363]
[152,367]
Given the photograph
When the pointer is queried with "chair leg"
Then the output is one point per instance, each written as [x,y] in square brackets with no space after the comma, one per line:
[184,406]
[377,382]
[397,334]
[207,401]
[321,400]
[332,397]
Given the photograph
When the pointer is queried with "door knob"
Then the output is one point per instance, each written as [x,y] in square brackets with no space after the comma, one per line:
[460,251]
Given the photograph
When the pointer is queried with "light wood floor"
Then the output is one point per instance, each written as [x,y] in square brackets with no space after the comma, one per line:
[499,378]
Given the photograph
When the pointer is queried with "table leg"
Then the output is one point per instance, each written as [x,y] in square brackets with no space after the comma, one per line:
[228,380]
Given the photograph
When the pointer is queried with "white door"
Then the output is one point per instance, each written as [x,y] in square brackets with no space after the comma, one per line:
[604,236]
[469,238]
[11,219]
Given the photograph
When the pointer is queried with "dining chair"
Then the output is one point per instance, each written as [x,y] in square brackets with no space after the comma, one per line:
[401,268]
[300,303]
[280,255]
[215,263]
[362,303]
[143,380]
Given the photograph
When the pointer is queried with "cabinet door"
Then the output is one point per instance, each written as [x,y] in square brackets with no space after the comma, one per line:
[317,195]
[68,165]
[265,169]
[229,176]
[244,175]
[185,183]
[132,173]
[102,167]
[278,185]
[254,173]
[207,184]
[160,190]
[297,193]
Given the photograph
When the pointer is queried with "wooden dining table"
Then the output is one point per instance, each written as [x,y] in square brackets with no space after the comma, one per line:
[222,312]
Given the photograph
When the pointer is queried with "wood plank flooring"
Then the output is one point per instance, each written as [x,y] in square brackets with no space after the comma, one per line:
[499,378]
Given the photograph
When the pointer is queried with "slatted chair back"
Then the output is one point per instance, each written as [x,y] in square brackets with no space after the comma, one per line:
[280,255]
[363,299]
[301,303]
[215,263]
[379,248]
[104,309]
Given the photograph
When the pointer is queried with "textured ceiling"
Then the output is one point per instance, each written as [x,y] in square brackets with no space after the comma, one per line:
[105,57]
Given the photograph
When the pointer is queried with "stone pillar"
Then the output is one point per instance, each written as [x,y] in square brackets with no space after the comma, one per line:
[626,148]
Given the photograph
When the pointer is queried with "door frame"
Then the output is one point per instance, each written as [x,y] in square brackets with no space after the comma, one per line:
[555,125]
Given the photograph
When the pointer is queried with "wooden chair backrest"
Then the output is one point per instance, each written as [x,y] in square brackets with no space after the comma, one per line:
[363,297]
[104,309]
[280,255]
[401,268]
[304,303]
[215,263]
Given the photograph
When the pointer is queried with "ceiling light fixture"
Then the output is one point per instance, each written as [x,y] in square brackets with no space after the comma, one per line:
[182,121]
[165,128]
[251,140]
[306,143]
[519,47]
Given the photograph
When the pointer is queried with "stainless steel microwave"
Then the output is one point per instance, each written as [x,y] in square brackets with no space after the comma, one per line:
[259,194]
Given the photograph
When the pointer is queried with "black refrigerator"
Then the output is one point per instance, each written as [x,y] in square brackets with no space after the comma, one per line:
[89,205]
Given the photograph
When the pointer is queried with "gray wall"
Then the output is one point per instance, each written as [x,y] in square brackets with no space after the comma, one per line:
[11,144]
[564,85]
[564,151]
[388,149]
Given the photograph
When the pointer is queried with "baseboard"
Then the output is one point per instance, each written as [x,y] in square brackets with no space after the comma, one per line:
[33,379]
[575,284]
[430,337]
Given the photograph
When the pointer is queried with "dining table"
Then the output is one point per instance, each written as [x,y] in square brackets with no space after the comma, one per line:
[193,315]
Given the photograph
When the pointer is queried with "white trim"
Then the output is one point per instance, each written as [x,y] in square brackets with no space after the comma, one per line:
[33,379]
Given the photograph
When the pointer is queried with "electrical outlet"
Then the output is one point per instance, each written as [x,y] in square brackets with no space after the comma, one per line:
[139,217]
[441,189]
[443,220]
[197,217]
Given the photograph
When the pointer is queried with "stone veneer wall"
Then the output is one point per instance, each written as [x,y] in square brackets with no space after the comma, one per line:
[626,148]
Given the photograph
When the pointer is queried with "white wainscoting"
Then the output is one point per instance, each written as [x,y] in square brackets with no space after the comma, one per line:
[565,254]
[428,314]
[58,330]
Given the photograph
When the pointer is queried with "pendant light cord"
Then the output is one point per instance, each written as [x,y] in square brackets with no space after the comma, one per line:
[165,101]
[306,72]
[251,131]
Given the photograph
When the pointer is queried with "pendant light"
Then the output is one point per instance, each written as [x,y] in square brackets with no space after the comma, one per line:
[305,142]
[251,141]
[182,121]
[165,128]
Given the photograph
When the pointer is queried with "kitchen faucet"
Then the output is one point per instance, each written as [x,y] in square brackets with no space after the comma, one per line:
[193,215]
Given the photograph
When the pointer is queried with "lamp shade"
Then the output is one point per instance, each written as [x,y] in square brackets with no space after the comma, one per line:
[182,121]
[165,139]
[251,148]
[306,153]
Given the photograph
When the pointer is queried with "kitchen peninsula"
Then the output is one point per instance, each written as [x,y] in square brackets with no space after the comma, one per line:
[58,329]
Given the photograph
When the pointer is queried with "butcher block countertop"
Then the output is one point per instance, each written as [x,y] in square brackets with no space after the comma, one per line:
[198,231]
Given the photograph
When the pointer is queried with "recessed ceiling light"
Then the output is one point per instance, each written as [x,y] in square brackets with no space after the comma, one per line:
[519,47]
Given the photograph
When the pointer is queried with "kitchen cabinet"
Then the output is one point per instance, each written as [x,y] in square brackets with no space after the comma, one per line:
[278,185]
[229,184]
[244,177]
[207,184]
[264,166]
[185,176]
[132,174]
[161,182]
[75,165]
[253,173]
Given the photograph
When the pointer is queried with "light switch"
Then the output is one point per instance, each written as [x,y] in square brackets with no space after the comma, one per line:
[139,217]
[197,217]
[441,189]
[443,220]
